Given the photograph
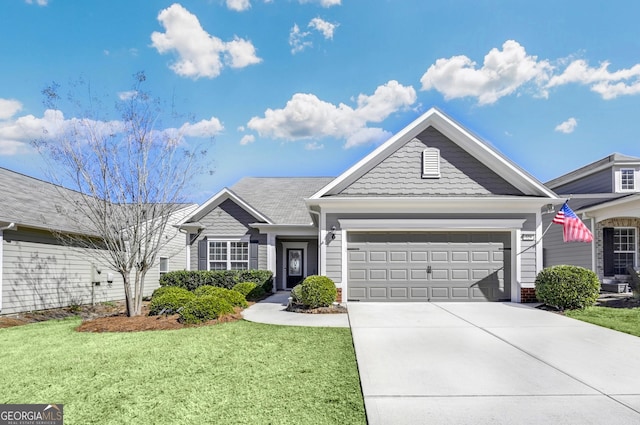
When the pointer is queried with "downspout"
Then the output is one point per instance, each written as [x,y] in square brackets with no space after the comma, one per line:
[11,226]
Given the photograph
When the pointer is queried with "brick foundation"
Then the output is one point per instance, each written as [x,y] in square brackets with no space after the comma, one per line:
[528,295]
[339,295]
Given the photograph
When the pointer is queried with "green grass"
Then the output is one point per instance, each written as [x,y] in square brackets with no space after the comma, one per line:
[621,319]
[233,373]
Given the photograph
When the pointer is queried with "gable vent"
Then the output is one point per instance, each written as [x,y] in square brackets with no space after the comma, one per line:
[431,163]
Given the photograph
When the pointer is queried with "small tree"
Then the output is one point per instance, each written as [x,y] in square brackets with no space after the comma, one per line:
[129,177]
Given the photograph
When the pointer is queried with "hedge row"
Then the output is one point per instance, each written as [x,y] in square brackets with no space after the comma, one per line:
[191,280]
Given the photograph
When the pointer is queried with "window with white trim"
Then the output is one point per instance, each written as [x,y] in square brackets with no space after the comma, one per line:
[164,265]
[228,255]
[627,179]
[624,249]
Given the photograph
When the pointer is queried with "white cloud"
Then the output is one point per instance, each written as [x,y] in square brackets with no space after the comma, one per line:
[38,2]
[607,84]
[204,128]
[297,40]
[313,146]
[199,53]
[323,3]
[248,138]
[326,28]
[16,135]
[502,73]
[238,5]
[568,126]
[8,108]
[306,117]
[511,70]
[366,136]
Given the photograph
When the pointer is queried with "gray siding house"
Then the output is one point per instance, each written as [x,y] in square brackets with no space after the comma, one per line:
[433,214]
[38,271]
[606,196]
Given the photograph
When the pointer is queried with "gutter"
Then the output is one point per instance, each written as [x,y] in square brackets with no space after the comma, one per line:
[10,226]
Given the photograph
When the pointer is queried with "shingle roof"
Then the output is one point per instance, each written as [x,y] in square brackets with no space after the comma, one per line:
[607,161]
[280,198]
[35,203]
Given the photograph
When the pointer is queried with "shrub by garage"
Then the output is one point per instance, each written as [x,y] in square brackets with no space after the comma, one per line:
[567,287]
[316,291]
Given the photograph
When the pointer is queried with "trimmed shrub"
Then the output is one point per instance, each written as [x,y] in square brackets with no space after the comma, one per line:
[262,278]
[232,297]
[567,287]
[206,307]
[244,287]
[169,300]
[250,290]
[317,291]
[221,278]
[296,294]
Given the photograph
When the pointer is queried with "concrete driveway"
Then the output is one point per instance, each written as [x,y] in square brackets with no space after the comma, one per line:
[491,363]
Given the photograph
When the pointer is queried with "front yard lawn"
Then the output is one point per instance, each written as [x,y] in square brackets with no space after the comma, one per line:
[621,319]
[232,373]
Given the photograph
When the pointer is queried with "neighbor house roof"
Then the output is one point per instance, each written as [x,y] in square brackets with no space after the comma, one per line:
[601,164]
[35,203]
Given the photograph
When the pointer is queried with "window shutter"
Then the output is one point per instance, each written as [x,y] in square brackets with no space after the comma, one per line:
[202,254]
[253,255]
[431,163]
[607,251]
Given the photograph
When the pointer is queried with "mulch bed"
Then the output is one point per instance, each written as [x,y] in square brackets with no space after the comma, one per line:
[109,318]
[334,309]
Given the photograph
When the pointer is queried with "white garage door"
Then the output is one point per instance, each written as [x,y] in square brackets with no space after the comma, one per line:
[429,266]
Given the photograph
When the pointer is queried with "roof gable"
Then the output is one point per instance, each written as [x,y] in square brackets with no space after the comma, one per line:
[218,199]
[402,174]
[476,151]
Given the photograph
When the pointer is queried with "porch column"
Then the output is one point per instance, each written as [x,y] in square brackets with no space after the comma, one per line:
[271,258]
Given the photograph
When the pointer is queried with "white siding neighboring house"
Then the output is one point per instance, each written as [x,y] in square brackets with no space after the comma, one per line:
[38,272]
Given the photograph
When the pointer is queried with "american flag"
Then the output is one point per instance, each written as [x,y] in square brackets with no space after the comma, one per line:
[574,229]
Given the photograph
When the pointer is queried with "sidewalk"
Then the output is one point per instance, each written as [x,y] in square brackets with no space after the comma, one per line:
[272,311]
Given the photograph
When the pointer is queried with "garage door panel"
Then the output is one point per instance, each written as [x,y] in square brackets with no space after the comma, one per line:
[380,293]
[440,274]
[378,274]
[401,275]
[377,256]
[357,274]
[398,256]
[439,256]
[419,256]
[462,266]
[357,256]
[402,293]
[458,274]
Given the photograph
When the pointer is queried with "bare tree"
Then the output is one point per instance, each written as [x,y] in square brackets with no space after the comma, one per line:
[129,177]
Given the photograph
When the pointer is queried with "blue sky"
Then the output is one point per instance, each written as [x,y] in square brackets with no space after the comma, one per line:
[309,87]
